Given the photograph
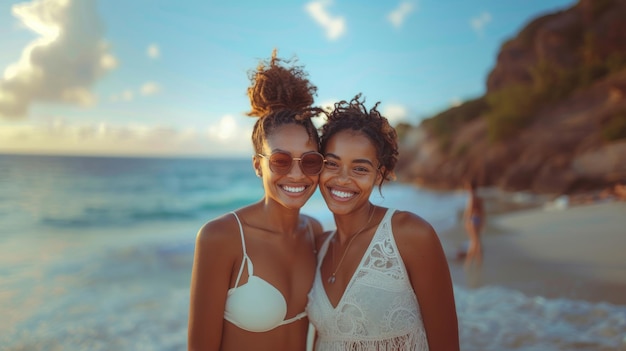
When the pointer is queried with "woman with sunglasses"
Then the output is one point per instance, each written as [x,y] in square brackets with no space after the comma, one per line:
[253,267]
[382,280]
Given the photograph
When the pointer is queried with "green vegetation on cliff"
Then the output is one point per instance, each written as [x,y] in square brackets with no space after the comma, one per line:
[584,58]
[515,106]
[553,118]
[615,127]
[444,124]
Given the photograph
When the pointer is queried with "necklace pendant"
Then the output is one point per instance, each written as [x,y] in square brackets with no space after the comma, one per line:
[331,279]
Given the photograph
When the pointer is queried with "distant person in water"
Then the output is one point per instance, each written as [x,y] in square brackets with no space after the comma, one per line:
[474,220]
[620,191]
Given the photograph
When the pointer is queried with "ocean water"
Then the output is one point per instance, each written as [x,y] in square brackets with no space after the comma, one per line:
[96,254]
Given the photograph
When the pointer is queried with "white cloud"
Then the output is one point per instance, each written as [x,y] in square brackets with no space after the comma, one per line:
[335,27]
[454,102]
[328,104]
[225,128]
[398,15]
[127,95]
[478,23]
[57,136]
[153,51]
[108,61]
[146,89]
[394,113]
[63,63]
[150,88]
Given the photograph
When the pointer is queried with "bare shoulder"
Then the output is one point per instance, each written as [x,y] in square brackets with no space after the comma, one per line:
[412,231]
[421,250]
[219,232]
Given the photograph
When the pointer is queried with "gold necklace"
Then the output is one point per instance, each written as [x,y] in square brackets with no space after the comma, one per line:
[331,279]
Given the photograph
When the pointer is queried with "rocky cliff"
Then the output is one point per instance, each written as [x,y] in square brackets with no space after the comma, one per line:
[553,119]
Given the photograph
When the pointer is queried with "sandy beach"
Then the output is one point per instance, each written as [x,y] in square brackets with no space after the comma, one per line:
[575,252]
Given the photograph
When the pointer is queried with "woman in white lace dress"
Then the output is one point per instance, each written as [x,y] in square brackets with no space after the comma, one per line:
[382,280]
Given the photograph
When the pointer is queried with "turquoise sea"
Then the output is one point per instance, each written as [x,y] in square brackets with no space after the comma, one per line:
[96,253]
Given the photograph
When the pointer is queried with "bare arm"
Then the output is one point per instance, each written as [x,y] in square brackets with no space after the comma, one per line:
[468,209]
[210,279]
[481,211]
[428,270]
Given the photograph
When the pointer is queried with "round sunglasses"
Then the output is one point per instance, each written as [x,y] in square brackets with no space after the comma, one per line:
[311,163]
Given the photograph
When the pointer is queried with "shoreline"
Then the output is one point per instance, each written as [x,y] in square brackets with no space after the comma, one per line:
[573,252]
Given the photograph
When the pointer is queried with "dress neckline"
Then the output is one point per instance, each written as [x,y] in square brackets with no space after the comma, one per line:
[359,266]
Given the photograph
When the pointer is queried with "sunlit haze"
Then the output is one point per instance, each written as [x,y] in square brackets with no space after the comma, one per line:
[140,77]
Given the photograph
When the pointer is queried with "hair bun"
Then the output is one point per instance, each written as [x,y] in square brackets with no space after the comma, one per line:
[276,86]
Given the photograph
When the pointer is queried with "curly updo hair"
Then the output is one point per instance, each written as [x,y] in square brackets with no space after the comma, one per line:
[280,93]
[354,116]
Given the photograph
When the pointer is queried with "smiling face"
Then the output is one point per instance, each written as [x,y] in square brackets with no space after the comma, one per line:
[351,172]
[291,190]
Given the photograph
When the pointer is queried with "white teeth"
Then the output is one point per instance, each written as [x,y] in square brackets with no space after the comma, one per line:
[342,194]
[294,189]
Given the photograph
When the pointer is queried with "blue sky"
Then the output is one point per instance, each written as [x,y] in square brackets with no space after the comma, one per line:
[155,77]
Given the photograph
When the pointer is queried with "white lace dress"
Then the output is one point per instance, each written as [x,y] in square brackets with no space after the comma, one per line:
[378,310]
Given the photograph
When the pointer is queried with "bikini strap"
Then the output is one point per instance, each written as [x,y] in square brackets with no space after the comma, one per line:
[294,318]
[245,259]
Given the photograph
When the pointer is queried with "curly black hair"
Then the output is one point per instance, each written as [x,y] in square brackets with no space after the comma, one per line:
[354,116]
[280,94]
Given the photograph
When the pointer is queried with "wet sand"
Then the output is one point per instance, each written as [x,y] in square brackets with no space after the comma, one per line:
[576,253]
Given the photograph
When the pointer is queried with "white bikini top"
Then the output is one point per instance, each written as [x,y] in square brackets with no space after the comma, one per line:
[255,306]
